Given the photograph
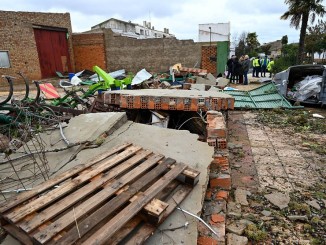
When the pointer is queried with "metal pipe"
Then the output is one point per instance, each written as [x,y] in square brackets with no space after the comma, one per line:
[63,136]
[197,217]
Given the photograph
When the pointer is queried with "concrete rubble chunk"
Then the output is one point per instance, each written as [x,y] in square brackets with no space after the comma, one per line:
[278,199]
[234,209]
[266,213]
[222,82]
[241,197]
[313,204]
[209,80]
[298,217]
[236,228]
[233,239]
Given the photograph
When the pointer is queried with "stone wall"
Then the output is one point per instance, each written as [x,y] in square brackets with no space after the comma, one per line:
[156,54]
[17,37]
[89,50]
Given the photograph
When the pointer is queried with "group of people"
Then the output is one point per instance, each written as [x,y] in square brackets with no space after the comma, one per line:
[238,68]
[261,66]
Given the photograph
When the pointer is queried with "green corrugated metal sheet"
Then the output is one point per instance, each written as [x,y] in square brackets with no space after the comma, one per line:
[263,97]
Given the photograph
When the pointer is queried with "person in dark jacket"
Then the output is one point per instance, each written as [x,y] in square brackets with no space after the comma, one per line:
[245,68]
[229,64]
[236,70]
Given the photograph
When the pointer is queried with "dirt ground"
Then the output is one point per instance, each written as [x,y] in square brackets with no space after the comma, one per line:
[278,159]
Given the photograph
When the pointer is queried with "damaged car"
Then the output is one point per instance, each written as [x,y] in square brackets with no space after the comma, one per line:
[303,83]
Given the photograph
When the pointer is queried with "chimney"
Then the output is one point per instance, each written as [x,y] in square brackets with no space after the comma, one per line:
[149,25]
[144,23]
[167,31]
[153,28]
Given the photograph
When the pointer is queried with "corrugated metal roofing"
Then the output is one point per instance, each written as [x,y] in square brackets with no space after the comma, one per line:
[263,97]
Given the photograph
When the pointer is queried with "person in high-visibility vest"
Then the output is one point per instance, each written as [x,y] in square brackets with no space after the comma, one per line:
[264,63]
[256,67]
[270,67]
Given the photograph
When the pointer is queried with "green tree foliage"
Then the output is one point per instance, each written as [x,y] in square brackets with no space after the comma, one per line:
[299,14]
[285,40]
[288,58]
[246,43]
[240,45]
[252,41]
[265,49]
[316,39]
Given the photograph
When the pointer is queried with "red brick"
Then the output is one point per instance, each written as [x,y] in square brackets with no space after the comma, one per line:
[208,194]
[206,241]
[216,133]
[222,195]
[217,218]
[224,181]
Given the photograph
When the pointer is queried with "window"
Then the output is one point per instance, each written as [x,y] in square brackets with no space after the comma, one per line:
[4,59]
[141,32]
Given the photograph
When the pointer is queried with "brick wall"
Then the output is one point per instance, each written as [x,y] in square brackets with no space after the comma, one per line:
[153,54]
[206,62]
[89,50]
[17,37]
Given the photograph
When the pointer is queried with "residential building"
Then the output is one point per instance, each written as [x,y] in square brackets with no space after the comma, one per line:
[214,32]
[133,30]
[37,44]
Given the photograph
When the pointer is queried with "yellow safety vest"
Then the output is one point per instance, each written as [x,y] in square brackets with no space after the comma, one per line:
[270,65]
[255,62]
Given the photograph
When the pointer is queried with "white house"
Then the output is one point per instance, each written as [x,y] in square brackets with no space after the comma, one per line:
[133,30]
[214,32]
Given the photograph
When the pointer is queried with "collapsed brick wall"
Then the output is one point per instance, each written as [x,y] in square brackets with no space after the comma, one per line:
[89,50]
[209,52]
[17,37]
[156,54]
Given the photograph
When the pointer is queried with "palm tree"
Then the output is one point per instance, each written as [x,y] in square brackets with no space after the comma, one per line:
[300,11]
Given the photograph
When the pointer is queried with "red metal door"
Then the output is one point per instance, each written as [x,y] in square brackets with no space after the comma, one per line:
[52,48]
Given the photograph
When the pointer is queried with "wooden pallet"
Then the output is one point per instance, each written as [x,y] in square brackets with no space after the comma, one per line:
[122,194]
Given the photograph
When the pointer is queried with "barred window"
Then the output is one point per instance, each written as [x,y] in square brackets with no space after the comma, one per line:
[4,59]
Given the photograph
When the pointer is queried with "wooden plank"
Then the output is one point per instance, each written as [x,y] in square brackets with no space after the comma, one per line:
[19,199]
[109,208]
[94,202]
[105,232]
[147,229]
[55,194]
[134,222]
[73,198]
[19,235]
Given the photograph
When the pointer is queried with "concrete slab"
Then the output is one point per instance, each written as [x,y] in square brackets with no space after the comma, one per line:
[87,127]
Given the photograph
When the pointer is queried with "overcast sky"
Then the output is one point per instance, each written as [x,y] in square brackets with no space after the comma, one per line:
[182,17]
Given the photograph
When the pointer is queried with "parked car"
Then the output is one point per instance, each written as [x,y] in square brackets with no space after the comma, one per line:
[304,83]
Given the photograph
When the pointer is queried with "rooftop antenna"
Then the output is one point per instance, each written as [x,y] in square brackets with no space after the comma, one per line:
[149,15]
